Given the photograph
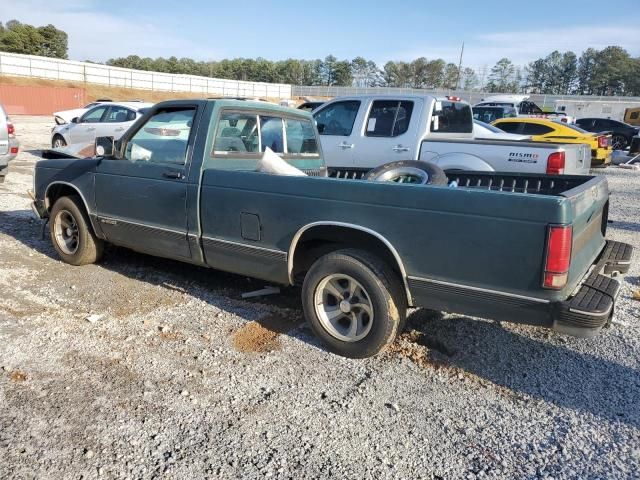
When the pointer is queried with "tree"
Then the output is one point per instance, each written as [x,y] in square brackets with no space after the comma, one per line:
[450,76]
[55,42]
[45,41]
[503,77]
[469,79]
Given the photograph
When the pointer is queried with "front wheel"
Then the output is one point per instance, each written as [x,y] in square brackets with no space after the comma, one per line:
[58,142]
[71,232]
[353,302]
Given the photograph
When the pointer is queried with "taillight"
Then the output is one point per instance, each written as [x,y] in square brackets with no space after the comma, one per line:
[603,142]
[558,256]
[555,163]
[11,130]
[14,150]
[563,120]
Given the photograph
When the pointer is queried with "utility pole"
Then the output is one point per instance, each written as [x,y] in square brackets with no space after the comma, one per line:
[460,66]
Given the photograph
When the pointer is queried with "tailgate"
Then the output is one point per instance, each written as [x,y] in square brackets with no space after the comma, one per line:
[589,210]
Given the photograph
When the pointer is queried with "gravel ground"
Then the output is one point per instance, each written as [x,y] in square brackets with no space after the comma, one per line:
[146,368]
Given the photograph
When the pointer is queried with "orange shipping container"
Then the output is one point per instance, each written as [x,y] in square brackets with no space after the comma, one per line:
[18,100]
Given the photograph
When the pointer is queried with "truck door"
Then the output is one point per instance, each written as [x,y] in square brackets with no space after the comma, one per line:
[387,136]
[335,125]
[141,198]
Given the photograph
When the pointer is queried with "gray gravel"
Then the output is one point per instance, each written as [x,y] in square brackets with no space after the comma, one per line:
[146,368]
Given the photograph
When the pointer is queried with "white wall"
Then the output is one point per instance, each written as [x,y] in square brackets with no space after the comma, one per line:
[55,69]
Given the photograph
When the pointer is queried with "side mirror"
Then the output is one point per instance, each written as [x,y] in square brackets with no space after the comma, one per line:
[75,120]
[105,146]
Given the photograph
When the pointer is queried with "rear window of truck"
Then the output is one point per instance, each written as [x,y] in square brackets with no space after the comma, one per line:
[452,117]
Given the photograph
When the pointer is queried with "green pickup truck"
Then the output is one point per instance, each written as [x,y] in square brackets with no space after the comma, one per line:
[184,183]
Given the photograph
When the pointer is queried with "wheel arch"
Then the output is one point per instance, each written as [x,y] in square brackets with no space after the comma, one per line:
[462,161]
[329,233]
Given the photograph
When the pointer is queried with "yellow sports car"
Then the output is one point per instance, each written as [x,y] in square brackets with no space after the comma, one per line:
[543,130]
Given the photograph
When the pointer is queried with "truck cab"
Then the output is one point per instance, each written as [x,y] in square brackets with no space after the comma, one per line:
[368,130]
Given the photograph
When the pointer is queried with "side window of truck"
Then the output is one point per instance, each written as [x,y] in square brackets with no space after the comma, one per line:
[337,118]
[388,118]
[163,138]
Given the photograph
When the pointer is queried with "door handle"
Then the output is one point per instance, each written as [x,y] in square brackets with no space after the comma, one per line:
[91,129]
[345,145]
[400,148]
[174,174]
[118,129]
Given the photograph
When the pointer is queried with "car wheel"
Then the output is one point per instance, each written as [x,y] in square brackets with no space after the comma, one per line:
[58,142]
[408,171]
[71,233]
[353,302]
[619,142]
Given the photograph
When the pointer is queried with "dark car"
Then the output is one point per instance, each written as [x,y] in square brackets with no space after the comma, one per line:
[310,106]
[621,132]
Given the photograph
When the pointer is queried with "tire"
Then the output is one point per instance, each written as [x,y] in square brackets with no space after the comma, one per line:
[423,173]
[71,232]
[355,332]
[58,139]
[619,142]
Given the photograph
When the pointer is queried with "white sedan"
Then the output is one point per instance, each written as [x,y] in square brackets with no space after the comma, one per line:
[485,131]
[103,120]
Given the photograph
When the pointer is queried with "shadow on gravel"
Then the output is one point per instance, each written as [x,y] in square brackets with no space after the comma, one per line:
[521,364]
[622,225]
[220,289]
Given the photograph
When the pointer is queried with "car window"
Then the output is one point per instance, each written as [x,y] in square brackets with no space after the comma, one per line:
[337,118]
[536,129]
[237,132]
[585,122]
[93,116]
[452,117]
[118,114]
[491,128]
[301,137]
[163,138]
[388,118]
[509,127]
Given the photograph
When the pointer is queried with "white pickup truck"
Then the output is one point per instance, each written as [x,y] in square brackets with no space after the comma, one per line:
[362,132]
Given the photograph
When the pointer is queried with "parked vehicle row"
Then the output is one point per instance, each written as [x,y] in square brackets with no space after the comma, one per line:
[365,131]
[543,130]
[518,106]
[187,181]
[9,144]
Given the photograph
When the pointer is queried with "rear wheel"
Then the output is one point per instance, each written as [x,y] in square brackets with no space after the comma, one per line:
[58,142]
[71,232]
[353,302]
[619,142]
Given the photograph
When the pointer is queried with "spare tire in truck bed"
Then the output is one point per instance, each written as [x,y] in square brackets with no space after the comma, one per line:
[408,171]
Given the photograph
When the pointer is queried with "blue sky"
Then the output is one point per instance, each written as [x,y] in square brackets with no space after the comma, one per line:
[400,30]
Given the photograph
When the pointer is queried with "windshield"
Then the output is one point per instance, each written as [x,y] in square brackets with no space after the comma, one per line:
[490,114]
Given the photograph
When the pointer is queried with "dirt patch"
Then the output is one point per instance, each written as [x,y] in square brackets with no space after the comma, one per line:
[263,335]
[18,376]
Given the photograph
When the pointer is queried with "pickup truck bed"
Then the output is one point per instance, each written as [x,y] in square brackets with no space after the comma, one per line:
[515,247]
